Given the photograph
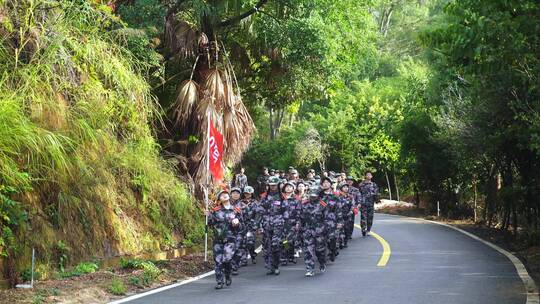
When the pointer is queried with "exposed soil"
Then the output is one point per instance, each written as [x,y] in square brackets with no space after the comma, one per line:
[94,287]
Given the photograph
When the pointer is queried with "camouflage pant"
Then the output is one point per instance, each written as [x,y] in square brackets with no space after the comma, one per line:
[349,228]
[314,246]
[251,239]
[332,237]
[223,254]
[272,244]
[293,243]
[240,253]
[366,218]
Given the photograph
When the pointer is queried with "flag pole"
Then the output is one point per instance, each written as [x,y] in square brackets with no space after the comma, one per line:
[207,186]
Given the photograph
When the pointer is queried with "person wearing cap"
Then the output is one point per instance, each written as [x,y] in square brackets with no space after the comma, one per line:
[347,211]
[225,223]
[370,195]
[333,216]
[262,180]
[357,198]
[293,176]
[292,224]
[240,180]
[337,177]
[313,231]
[252,219]
[350,181]
[275,215]
[300,192]
[240,245]
[310,177]
[289,173]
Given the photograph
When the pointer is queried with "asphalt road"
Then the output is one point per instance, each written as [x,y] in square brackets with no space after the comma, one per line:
[428,264]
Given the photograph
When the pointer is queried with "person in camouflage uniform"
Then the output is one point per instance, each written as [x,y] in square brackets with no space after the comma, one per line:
[347,211]
[301,193]
[224,220]
[370,195]
[356,198]
[252,220]
[262,180]
[240,245]
[313,231]
[310,178]
[275,215]
[333,219]
[240,180]
[292,226]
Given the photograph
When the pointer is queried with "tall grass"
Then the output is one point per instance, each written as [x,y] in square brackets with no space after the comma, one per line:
[76,139]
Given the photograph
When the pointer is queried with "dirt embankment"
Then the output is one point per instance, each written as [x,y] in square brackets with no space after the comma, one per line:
[103,286]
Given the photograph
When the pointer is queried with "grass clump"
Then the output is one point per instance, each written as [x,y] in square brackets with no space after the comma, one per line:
[117,287]
[80,269]
[78,157]
[150,272]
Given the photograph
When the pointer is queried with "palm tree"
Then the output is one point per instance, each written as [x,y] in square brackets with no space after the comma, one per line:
[192,31]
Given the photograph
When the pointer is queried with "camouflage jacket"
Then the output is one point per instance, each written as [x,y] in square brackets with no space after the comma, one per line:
[369,192]
[313,215]
[220,219]
[333,210]
[275,212]
[293,206]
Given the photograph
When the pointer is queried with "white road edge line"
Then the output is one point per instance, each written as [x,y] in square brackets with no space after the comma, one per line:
[160,289]
[530,286]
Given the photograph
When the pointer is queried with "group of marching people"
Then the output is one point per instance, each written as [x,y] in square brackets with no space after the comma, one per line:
[315,217]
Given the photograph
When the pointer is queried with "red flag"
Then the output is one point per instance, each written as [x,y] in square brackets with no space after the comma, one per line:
[215,152]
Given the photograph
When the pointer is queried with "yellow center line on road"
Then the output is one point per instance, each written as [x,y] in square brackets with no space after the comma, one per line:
[386,248]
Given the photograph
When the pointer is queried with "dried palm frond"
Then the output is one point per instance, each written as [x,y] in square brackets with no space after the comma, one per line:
[230,97]
[181,37]
[188,96]
[214,89]
[203,41]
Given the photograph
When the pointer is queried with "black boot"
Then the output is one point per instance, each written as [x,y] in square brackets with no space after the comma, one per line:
[219,285]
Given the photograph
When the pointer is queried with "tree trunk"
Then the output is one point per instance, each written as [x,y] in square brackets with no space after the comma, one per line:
[396,184]
[388,182]
[475,199]
[271,121]
[417,195]
[491,195]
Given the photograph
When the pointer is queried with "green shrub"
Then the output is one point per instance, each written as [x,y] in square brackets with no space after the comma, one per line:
[26,275]
[130,263]
[135,281]
[117,287]
[80,269]
[150,271]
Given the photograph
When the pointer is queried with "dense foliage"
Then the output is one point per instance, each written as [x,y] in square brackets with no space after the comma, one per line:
[440,98]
